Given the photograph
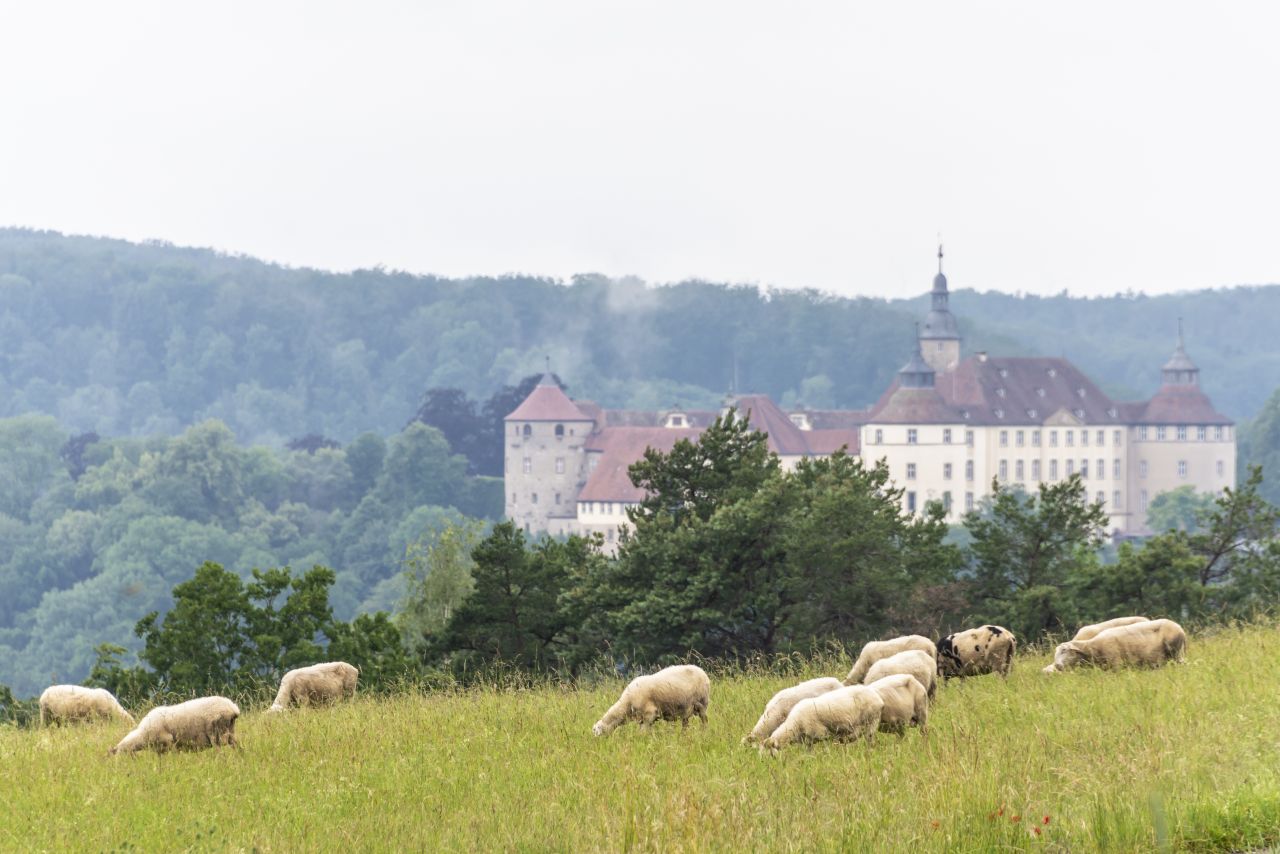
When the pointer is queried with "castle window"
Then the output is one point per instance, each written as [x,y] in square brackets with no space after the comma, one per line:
[911,436]
[1004,469]
[610,535]
[968,470]
[1142,468]
[1084,469]
[968,501]
[1035,438]
[1221,468]
[1019,471]
[968,438]
[559,465]
[1102,497]
[1217,434]
[946,436]
[879,437]
[1160,433]
[528,430]
[1182,468]
[1142,498]
[911,471]
[1116,437]
[557,498]
[1102,469]
[1019,438]
[1004,438]
[559,431]
[911,502]
[526,465]
[1115,501]
[946,502]
[1071,467]
[1102,438]
[513,498]
[1142,432]
[1053,469]
[946,471]
[1084,438]
[1053,438]
[1115,469]
[533,497]
[1182,432]
[1035,469]
[1201,433]
[1071,438]
[1040,392]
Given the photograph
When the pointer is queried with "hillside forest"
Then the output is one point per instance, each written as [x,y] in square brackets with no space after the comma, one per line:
[164,408]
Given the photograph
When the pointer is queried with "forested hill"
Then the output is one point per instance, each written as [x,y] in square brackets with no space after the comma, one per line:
[145,339]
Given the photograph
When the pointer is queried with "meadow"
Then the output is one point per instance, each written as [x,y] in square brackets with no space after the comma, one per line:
[1186,758]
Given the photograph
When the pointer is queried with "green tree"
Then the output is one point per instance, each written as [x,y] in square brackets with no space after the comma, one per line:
[1178,509]
[1025,547]
[438,575]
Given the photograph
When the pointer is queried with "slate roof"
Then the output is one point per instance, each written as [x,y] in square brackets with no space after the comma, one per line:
[1178,404]
[1024,390]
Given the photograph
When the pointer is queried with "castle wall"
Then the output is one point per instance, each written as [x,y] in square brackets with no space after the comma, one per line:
[544,469]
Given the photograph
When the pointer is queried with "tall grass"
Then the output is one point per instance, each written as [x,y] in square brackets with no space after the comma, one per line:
[1186,758]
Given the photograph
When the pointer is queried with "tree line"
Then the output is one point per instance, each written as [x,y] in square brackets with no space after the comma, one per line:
[729,557]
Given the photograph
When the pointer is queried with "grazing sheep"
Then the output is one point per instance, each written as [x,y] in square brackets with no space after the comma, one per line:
[673,693]
[876,650]
[913,662]
[1148,644]
[905,703]
[777,709]
[195,724]
[988,649]
[64,704]
[845,714]
[1090,632]
[319,683]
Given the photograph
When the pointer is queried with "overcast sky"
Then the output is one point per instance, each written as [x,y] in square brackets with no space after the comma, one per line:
[1095,147]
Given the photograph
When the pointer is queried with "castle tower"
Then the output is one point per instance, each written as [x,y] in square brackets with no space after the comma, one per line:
[545,462]
[940,339]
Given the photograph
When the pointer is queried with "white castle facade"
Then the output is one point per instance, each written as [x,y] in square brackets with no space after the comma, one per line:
[947,427]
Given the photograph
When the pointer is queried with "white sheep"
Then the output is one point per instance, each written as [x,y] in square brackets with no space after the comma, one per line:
[1148,644]
[195,724]
[987,649]
[673,693]
[876,650]
[63,704]
[845,714]
[319,683]
[1090,632]
[777,709]
[913,663]
[905,703]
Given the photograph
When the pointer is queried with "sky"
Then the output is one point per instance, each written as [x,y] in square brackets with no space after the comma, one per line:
[1093,147]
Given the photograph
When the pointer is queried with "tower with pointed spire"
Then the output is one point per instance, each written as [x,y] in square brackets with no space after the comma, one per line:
[940,338]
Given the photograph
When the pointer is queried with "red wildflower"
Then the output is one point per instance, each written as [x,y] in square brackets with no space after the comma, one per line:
[934,824]
[1016,819]
[1046,819]
[1036,829]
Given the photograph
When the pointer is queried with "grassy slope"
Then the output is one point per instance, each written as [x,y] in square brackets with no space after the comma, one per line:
[1118,761]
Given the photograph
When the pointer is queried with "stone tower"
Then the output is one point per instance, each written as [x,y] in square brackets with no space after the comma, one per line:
[545,463]
[940,338]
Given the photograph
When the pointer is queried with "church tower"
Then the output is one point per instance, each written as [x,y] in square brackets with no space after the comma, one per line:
[940,339]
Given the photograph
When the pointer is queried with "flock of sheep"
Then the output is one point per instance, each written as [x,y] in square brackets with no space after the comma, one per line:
[195,724]
[888,689]
[892,682]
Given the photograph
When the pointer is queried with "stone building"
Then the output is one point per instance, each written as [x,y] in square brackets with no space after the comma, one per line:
[947,427]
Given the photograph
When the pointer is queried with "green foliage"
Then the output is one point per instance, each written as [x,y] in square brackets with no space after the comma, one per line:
[1024,548]
[1178,509]
[438,574]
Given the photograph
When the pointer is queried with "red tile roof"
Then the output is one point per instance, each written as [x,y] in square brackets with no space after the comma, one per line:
[825,442]
[548,403]
[764,415]
[1179,404]
[619,447]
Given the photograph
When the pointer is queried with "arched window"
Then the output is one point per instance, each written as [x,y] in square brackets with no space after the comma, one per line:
[528,430]
[559,431]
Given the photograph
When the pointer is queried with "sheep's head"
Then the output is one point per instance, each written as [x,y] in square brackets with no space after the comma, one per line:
[1050,668]
[601,728]
[769,745]
[1067,654]
[276,707]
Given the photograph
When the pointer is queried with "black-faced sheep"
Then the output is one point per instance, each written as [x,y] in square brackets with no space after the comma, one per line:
[1149,644]
[317,684]
[987,649]
[195,724]
[913,663]
[905,703]
[673,693]
[64,704]
[777,709]
[845,714]
[1090,632]
[876,650]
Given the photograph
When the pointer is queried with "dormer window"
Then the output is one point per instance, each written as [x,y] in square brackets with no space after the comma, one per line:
[999,413]
[1079,413]
[1040,392]
[1053,372]
[1111,411]
[801,420]
[1000,392]
[1080,392]
[677,419]
[1031,413]
[1004,372]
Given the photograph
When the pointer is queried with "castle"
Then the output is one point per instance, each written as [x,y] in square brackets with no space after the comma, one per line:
[946,427]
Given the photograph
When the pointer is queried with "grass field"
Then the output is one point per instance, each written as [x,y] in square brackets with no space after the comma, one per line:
[1187,758]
